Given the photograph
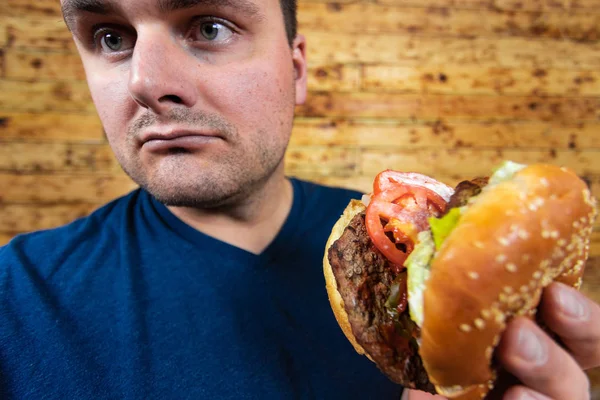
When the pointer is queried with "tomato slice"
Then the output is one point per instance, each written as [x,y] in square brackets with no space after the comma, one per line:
[400,211]
[385,180]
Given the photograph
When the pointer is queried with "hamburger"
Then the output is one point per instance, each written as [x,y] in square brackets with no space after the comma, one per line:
[423,278]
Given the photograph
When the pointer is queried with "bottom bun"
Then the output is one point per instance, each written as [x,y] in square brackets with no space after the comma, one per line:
[335,299]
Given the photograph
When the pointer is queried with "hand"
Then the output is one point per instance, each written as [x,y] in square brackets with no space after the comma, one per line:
[547,370]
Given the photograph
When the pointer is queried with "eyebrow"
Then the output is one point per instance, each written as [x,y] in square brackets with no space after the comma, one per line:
[71,8]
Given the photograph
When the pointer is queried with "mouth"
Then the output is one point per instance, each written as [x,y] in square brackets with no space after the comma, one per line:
[178,141]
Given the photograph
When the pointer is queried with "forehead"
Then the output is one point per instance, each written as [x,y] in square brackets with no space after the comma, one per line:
[72,8]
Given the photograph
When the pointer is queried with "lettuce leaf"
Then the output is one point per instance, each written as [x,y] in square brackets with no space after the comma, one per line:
[441,227]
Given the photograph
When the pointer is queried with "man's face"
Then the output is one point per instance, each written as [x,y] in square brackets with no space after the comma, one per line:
[196,96]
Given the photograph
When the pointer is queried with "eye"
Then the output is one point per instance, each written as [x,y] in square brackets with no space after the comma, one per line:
[113,41]
[212,31]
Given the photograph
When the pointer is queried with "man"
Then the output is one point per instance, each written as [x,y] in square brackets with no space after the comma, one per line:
[206,283]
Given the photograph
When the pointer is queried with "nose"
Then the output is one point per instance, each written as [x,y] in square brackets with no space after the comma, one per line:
[159,75]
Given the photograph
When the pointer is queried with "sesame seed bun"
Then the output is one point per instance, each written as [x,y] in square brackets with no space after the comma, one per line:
[512,240]
[515,239]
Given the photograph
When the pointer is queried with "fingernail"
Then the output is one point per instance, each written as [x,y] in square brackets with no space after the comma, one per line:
[531,348]
[570,304]
[527,395]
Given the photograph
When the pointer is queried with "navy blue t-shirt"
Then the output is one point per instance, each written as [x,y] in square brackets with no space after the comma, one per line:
[132,303]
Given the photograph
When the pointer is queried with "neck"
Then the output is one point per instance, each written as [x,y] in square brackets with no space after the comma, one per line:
[251,224]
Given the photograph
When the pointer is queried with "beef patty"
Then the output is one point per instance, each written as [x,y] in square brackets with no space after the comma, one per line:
[364,278]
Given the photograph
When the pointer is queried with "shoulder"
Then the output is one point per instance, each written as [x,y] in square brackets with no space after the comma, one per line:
[325,197]
[322,206]
[45,248]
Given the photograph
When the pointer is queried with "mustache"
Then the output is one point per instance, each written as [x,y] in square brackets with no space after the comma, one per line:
[185,117]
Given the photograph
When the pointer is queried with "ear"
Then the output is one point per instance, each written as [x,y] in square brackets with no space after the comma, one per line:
[299,60]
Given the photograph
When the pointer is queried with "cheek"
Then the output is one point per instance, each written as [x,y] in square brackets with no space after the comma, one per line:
[257,94]
[112,101]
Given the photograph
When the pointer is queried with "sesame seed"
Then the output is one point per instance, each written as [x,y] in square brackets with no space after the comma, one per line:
[544,182]
[526,258]
[488,353]
[500,258]
[561,242]
[524,289]
[508,289]
[546,234]
[504,241]
[510,267]
[473,275]
[587,197]
[487,314]
[496,340]
[554,234]
[478,244]
[479,323]
[465,328]
[523,234]
[533,284]
[537,274]
[499,318]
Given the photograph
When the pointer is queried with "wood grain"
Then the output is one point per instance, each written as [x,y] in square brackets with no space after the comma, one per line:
[446,134]
[3,34]
[48,33]
[30,9]
[30,65]
[588,6]
[473,162]
[40,97]
[364,17]
[473,80]
[27,218]
[56,157]
[414,51]
[56,188]
[431,106]
[52,127]
[5,237]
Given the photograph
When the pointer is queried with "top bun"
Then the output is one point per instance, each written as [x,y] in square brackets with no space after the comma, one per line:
[513,240]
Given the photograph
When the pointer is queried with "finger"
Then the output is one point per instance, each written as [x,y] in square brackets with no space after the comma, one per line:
[540,363]
[523,393]
[576,319]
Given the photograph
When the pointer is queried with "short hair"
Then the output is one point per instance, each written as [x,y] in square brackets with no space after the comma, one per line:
[288,8]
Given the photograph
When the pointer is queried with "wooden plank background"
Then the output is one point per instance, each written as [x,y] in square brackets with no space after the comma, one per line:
[444,87]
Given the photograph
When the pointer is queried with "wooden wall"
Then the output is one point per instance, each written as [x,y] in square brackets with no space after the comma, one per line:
[444,87]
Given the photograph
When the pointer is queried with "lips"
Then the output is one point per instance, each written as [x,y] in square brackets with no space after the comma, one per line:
[186,140]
